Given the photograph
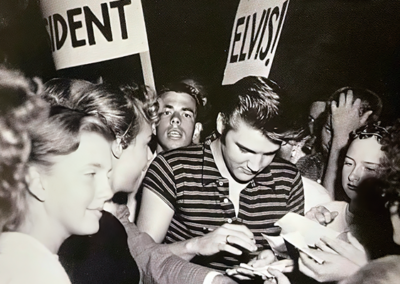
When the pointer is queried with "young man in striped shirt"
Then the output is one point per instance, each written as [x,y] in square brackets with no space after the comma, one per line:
[212,201]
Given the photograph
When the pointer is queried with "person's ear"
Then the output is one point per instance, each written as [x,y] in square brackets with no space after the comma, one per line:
[204,101]
[116,148]
[198,127]
[35,185]
[220,123]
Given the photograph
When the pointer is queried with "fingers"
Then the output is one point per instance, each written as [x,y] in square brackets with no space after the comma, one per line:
[347,250]
[307,265]
[339,246]
[355,242]
[324,247]
[267,255]
[239,228]
[239,240]
[222,246]
[289,265]
[237,235]
[240,273]
[342,99]
[322,215]
[365,116]
[264,258]
[280,277]
[229,238]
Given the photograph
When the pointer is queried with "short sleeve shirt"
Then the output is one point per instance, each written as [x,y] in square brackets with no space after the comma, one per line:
[187,179]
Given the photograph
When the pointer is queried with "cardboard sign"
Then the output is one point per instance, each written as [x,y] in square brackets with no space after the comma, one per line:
[83,32]
[255,35]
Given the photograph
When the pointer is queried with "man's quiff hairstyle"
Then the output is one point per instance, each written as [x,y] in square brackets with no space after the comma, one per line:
[258,102]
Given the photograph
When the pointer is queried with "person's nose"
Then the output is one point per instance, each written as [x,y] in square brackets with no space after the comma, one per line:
[355,174]
[105,193]
[150,157]
[149,154]
[176,119]
[255,162]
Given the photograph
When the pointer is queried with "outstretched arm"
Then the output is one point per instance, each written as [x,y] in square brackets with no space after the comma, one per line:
[155,216]
[159,265]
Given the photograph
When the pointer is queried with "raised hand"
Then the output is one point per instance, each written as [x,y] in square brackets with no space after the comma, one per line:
[346,117]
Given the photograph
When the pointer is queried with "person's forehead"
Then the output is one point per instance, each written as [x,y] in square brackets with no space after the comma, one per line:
[177,100]
[367,150]
[251,138]
[93,149]
[317,108]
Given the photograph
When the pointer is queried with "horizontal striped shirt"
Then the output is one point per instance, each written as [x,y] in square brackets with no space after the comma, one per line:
[187,180]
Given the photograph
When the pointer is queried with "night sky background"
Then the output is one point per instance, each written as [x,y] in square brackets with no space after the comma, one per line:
[324,45]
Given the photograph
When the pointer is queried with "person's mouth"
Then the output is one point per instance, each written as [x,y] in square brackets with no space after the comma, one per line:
[96,211]
[174,134]
[248,172]
[351,186]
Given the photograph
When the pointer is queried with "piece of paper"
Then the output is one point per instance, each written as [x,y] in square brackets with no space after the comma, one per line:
[277,244]
[301,233]
[298,241]
[310,230]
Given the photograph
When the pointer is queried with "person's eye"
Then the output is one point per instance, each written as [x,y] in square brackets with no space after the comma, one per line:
[187,115]
[167,112]
[91,174]
[347,163]
[369,169]
[243,150]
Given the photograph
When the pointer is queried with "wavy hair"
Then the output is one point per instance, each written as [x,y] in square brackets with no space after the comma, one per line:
[391,163]
[21,110]
[261,104]
[122,109]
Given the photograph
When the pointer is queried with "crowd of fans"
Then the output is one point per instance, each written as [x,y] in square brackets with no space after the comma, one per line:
[193,210]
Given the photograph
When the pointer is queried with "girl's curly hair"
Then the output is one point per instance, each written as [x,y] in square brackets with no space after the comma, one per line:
[391,162]
[20,110]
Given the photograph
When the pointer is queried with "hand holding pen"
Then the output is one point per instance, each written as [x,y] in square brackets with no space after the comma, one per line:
[227,238]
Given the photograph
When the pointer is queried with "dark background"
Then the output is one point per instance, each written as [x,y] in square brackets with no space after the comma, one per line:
[324,45]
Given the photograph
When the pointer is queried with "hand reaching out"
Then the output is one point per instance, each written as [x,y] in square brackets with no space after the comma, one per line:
[341,259]
[353,251]
[321,215]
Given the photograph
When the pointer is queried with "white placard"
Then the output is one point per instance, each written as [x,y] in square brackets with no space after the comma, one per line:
[255,36]
[83,32]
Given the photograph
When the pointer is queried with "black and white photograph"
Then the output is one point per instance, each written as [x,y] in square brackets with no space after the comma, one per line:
[210,142]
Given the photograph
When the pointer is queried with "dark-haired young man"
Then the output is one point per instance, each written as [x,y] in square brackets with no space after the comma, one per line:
[181,105]
[214,200]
